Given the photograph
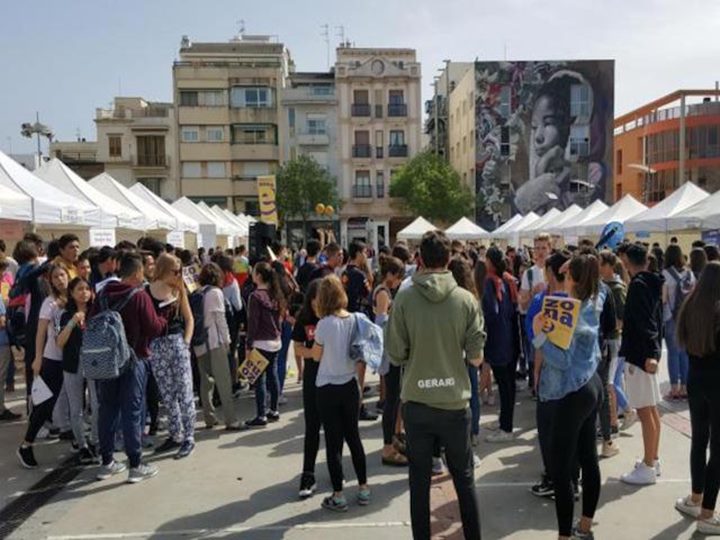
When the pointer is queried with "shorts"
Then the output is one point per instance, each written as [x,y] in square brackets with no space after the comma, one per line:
[642,388]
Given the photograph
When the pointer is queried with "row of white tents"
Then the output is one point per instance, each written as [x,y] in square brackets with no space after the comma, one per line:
[54,200]
[688,210]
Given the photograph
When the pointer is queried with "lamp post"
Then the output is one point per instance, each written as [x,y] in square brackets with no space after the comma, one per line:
[28,130]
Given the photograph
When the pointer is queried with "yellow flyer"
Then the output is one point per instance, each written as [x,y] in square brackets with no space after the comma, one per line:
[561,318]
[253,366]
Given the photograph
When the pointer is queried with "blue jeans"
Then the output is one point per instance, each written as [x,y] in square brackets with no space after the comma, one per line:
[474,400]
[677,358]
[267,382]
[622,400]
[286,337]
[122,400]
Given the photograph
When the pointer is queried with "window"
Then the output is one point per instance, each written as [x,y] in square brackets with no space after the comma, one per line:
[361,97]
[205,98]
[322,90]
[216,169]
[506,101]
[316,125]
[618,191]
[579,141]
[379,143]
[320,157]
[362,138]
[464,143]
[254,134]
[397,138]
[151,151]
[188,99]
[115,146]
[153,184]
[396,97]
[580,101]
[215,134]
[380,184]
[190,134]
[253,97]
[191,169]
[618,162]
[291,117]
[362,188]
[256,168]
[361,148]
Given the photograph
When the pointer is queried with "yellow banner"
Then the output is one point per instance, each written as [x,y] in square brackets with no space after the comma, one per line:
[254,365]
[266,195]
[561,318]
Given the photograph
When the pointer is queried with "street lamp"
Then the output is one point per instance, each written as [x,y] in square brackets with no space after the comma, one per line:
[28,130]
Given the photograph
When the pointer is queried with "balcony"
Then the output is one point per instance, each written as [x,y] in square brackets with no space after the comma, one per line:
[313,94]
[362,151]
[397,150]
[151,160]
[362,191]
[254,152]
[397,109]
[360,109]
[313,139]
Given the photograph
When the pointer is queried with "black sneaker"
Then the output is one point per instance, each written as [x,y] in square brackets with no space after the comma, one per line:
[86,456]
[186,448]
[27,457]
[273,416]
[168,446]
[259,422]
[544,488]
[380,405]
[67,435]
[367,416]
[307,485]
[8,416]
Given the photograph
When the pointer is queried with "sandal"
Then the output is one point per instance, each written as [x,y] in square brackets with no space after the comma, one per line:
[395,459]
[400,443]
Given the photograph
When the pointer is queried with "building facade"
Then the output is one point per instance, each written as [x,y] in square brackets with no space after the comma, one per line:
[136,143]
[437,122]
[229,111]
[379,129]
[532,135]
[80,156]
[649,162]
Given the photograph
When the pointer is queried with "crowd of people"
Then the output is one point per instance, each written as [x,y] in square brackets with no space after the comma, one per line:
[461,323]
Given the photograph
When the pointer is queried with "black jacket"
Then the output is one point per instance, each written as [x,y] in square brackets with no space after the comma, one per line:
[642,321]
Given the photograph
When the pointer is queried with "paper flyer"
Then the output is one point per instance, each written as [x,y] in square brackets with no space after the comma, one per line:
[561,316]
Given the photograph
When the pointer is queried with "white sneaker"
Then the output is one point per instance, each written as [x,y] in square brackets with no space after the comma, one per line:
[141,472]
[658,469]
[610,449]
[641,475]
[709,526]
[500,436]
[476,461]
[111,469]
[493,426]
[630,418]
[686,506]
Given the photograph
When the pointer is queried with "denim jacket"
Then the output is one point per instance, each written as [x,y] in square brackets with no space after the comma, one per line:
[565,371]
[366,341]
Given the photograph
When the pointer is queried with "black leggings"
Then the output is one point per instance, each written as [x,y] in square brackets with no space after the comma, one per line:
[604,408]
[545,418]
[153,403]
[574,439]
[52,373]
[392,403]
[704,400]
[505,378]
[339,407]
[312,417]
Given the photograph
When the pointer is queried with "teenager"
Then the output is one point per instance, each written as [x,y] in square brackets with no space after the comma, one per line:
[170,355]
[337,391]
[569,377]
[698,325]
[486,378]
[308,267]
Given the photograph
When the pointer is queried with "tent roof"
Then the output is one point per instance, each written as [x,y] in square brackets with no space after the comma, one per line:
[571,225]
[656,218]
[240,230]
[464,229]
[232,218]
[182,222]
[621,211]
[14,204]
[539,225]
[189,208]
[566,215]
[502,228]
[702,215]
[416,229]
[112,213]
[519,225]
[49,206]
[153,219]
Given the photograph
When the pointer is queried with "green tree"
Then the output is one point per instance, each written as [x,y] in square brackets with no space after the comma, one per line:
[302,183]
[428,186]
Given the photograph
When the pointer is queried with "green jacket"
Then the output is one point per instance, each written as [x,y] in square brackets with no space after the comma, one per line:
[434,326]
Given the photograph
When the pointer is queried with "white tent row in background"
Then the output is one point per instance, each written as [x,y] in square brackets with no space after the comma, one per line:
[570,228]
[537,227]
[702,215]
[213,232]
[621,211]
[14,205]
[182,222]
[464,229]
[566,216]
[658,218]
[416,229]
[500,231]
[512,233]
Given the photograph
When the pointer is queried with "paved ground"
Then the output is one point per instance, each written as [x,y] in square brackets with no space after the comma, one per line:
[244,486]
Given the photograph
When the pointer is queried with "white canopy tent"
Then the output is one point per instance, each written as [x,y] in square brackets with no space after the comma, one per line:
[621,211]
[464,229]
[657,218]
[498,233]
[244,226]
[416,229]
[182,223]
[50,207]
[213,231]
[538,226]
[512,233]
[570,228]
[565,217]
[702,215]
[14,205]
[239,228]
[112,213]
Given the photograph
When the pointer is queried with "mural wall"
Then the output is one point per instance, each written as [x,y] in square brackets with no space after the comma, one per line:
[544,132]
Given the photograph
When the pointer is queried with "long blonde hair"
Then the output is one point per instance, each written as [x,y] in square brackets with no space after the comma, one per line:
[166,265]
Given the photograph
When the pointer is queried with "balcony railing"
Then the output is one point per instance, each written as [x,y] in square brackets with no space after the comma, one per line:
[380,190]
[360,109]
[151,160]
[362,151]
[362,191]
[398,150]
[397,109]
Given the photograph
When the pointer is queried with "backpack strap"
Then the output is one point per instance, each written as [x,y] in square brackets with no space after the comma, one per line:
[124,302]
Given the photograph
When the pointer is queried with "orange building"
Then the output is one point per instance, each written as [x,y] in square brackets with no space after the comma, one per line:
[649,163]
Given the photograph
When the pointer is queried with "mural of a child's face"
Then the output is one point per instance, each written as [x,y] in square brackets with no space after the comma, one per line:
[545,126]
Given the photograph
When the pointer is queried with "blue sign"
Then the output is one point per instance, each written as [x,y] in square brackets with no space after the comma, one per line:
[711,237]
[612,235]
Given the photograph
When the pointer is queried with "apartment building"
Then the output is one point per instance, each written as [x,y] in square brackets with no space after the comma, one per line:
[379,129]
[79,155]
[460,136]
[136,143]
[437,122]
[229,110]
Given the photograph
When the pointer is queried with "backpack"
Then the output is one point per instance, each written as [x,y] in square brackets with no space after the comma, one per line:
[366,341]
[200,333]
[16,319]
[684,287]
[105,353]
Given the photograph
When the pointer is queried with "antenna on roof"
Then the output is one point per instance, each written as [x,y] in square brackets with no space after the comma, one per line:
[326,35]
[341,34]
[241,30]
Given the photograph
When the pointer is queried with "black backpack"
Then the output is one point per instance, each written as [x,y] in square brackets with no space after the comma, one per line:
[200,333]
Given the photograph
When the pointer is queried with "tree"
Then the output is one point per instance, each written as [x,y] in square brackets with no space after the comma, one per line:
[430,187]
[302,183]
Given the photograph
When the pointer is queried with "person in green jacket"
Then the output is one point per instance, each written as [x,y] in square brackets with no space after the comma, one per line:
[435,330]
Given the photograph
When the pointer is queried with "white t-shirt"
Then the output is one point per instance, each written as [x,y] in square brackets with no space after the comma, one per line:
[538,276]
[336,367]
[49,311]
[215,322]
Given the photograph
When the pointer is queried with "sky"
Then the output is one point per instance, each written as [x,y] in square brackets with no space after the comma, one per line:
[65,58]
